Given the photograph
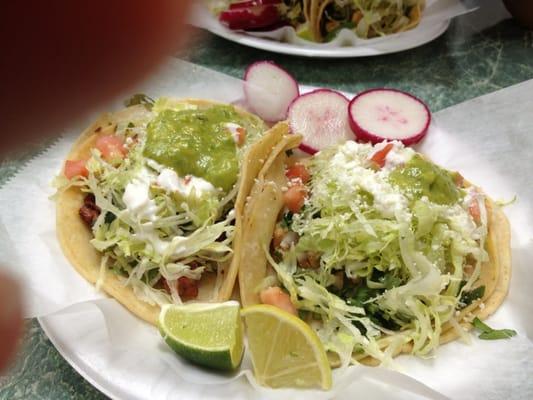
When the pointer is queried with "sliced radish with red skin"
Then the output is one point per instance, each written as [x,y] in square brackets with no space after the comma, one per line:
[321,117]
[388,114]
[269,90]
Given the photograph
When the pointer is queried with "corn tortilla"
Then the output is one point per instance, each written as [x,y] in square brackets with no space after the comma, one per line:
[74,236]
[495,274]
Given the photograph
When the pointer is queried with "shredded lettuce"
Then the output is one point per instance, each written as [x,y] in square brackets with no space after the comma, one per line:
[167,103]
[399,258]
[153,234]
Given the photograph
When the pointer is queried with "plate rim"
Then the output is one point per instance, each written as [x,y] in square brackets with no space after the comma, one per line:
[316,52]
[80,367]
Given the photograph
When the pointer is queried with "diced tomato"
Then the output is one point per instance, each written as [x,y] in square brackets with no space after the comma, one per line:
[240,136]
[458,179]
[111,147]
[294,197]
[473,209]
[298,171]
[379,156]
[187,287]
[76,168]
[358,16]
[278,298]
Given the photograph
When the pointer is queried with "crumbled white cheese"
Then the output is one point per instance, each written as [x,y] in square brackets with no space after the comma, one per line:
[350,163]
[398,155]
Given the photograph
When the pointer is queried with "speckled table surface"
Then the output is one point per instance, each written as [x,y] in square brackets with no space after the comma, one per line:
[480,53]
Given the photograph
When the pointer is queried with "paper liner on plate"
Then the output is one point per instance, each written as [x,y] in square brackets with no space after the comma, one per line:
[436,13]
[487,139]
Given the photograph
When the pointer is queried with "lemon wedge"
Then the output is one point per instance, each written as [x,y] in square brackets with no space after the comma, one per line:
[285,351]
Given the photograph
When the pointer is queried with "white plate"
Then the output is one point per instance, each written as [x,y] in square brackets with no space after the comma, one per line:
[392,46]
[114,367]
[434,23]
[125,358]
[77,362]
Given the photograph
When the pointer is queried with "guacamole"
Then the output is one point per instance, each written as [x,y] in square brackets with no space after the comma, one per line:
[419,177]
[197,142]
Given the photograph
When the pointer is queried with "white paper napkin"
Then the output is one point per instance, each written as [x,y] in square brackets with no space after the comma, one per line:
[488,139]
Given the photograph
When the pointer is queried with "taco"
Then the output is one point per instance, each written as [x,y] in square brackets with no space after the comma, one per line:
[149,204]
[379,249]
[321,20]
[367,18]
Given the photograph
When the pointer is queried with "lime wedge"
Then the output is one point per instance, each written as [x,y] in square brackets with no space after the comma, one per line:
[207,334]
[285,351]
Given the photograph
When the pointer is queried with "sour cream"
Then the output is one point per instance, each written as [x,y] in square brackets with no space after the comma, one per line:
[137,197]
[235,131]
[169,180]
[148,234]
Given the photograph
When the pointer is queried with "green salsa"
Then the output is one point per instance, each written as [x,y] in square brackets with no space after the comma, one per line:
[419,177]
[197,142]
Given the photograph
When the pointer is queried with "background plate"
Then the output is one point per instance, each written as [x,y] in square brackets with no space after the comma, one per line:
[385,47]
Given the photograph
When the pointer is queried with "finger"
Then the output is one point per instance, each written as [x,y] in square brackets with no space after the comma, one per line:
[67,56]
[10,319]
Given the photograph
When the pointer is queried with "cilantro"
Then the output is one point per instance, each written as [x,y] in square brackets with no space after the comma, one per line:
[487,333]
[140,98]
[287,220]
[331,35]
[109,217]
[474,294]
[505,203]
[360,296]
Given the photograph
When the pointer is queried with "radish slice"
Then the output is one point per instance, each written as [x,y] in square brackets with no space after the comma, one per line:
[321,117]
[388,114]
[269,90]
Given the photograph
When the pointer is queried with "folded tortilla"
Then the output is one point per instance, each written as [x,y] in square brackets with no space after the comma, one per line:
[317,13]
[495,274]
[74,236]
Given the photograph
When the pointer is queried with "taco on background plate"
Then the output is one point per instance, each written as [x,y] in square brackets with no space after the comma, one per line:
[321,20]
[149,204]
[367,18]
[376,247]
